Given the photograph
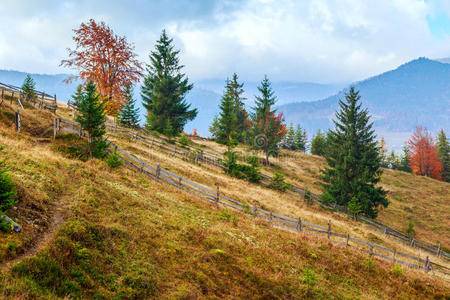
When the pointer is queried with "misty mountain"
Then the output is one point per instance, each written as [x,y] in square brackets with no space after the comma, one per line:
[416,93]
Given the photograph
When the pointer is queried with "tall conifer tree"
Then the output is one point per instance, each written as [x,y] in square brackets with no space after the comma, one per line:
[236,90]
[92,119]
[29,88]
[224,127]
[300,139]
[319,144]
[354,162]
[404,160]
[268,128]
[129,115]
[164,90]
[443,150]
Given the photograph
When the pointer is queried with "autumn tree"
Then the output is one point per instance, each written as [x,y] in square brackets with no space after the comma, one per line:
[108,60]
[443,149]
[424,157]
[164,90]
[268,128]
[354,161]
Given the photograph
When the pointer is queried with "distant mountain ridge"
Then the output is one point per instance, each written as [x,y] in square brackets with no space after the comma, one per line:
[416,93]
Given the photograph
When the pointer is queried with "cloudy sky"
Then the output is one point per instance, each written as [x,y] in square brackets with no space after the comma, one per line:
[327,41]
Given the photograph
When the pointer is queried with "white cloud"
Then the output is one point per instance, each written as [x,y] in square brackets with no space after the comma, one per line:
[321,40]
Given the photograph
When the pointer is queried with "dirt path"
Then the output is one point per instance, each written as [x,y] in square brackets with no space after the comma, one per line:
[41,241]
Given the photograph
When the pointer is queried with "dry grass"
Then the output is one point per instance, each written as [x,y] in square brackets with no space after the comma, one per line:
[125,236]
[422,200]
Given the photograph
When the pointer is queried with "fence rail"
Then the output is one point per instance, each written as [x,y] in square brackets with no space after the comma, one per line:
[214,196]
[42,99]
[212,158]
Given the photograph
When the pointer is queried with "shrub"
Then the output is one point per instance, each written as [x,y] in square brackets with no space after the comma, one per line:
[410,229]
[7,187]
[5,226]
[250,173]
[369,265]
[397,270]
[278,183]
[308,197]
[253,161]
[309,277]
[114,160]
[184,140]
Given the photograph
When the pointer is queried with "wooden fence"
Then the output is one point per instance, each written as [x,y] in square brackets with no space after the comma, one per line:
[42,100]
[215,197]
[198,155]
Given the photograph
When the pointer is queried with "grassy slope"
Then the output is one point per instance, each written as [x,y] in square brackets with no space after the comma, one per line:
[127,236]
[422,200]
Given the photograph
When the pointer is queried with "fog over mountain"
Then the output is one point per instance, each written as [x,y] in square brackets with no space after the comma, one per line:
[416,93]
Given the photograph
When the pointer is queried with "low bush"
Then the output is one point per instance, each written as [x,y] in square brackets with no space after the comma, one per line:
[278,183]
[184,140]
[113,160]
[397,270]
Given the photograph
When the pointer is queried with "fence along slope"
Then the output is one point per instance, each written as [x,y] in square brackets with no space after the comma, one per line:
[43,100]
[295,191]
[292,224]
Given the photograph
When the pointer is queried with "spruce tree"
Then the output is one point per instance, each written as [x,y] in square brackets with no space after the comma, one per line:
[404,160]
[383,153]
[164,90]
[268,128]
[265,100]
[289,139]
[92,120]
[300,139]
[443,150]
[129,115]
[235,90]
[77,97]
[224,127]
[29,88]
[354,161]
[319,144]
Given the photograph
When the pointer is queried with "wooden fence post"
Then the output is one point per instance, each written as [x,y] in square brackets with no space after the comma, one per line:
[3,94]
[254,208]
[438,250]
[54,128]
[425,265]
[371,250]
[411,244]
[17,119]
[271,218]
[42,101]
[158,171]
[217,194]
[299,224]
[348,238]
[395,253]
[179,181]
[329,229]
[12,97]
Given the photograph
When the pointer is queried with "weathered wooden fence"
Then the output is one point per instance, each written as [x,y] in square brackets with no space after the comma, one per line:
[42,100]
[212,158]
[215,197]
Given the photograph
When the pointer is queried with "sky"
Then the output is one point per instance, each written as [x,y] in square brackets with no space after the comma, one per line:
[325,41]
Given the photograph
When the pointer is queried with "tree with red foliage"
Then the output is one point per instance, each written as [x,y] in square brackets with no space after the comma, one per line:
[106,59]
[269,131]
[423,156]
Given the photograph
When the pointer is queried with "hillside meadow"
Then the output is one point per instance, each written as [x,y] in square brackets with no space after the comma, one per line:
[90,231]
